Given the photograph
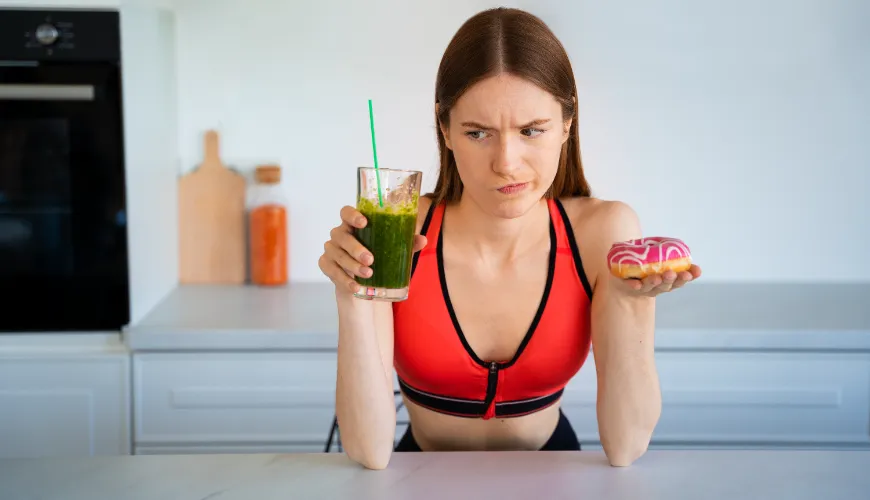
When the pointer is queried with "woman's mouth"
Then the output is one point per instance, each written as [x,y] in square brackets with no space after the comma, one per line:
[513,188]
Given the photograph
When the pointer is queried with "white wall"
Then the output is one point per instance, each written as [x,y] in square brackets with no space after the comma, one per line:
[738,127]
[289,82]
[741,126]
[151,153]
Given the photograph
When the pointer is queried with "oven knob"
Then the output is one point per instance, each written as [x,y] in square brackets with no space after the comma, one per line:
[46,34]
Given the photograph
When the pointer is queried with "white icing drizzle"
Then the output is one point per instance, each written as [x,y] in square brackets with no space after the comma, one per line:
[647,253]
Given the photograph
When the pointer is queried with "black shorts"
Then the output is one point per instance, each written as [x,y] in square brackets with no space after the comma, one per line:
[562,439]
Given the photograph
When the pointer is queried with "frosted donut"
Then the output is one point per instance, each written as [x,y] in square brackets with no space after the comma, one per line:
[647,256]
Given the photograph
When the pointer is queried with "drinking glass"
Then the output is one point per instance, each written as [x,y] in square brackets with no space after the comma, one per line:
[388,199]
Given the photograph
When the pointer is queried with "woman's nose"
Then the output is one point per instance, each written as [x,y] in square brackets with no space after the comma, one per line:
[506,156]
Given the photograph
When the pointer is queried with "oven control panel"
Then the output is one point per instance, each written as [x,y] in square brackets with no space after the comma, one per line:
[67,35]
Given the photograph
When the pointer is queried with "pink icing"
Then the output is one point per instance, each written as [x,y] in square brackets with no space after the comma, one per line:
[645,251]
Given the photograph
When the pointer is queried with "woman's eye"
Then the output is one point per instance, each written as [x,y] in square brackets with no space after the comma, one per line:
[477,135]
[531,132]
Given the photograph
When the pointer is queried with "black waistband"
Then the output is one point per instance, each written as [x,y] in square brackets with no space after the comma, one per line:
[471,408]
[563,438]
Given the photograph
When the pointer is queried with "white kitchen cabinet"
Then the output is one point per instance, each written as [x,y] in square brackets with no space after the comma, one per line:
[747,399]
[283,401]
[64,395]
[246,402]
[248,369]
[237,402]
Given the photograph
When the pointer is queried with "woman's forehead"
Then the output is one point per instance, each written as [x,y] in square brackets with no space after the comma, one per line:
[505,97]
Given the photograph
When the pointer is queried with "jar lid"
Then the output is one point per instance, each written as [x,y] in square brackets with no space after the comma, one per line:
[268,174]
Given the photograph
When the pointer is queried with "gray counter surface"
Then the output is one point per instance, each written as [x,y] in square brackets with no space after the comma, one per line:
[659,475]
[701,316]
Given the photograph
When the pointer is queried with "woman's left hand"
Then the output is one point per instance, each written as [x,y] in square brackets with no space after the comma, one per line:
[659,283]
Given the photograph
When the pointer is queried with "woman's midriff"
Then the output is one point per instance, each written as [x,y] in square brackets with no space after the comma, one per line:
[439,432]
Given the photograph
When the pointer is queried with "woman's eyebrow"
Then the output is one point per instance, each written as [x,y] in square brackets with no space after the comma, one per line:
[476,125]
[533,123]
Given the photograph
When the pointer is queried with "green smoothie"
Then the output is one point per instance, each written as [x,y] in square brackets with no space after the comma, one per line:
[389,236]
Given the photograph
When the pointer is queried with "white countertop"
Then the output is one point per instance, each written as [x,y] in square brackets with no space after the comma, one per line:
[659,475]
[701,316]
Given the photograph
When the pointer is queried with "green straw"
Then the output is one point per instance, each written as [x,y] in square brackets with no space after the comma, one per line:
[375,152]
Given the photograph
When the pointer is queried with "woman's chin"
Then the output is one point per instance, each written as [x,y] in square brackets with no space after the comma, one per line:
[514,206]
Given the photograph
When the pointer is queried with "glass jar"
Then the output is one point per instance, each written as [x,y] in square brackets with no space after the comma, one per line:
[267,226]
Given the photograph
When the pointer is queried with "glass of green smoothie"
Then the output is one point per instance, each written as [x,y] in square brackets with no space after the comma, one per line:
[388,200]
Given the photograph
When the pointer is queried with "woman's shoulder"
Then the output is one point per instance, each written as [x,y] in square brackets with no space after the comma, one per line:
[597,224]
[595,216]
[424,203]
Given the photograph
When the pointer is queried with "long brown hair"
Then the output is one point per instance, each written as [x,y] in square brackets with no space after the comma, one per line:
[505,40]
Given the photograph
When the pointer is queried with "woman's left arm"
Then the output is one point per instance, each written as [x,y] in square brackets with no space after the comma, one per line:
[629,399]
[623,323]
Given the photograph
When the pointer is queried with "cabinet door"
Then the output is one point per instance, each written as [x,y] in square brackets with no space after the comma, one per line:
[747,399]
[63,404]
[236,400]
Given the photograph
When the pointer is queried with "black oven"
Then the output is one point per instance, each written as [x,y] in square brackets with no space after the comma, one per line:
[63,235]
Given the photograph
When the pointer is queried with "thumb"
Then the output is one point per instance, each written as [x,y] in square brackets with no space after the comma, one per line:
[420,242]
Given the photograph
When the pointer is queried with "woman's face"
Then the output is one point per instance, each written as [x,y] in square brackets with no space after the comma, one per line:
[506,135]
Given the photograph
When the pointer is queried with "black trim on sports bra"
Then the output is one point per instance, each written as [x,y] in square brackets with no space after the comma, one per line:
[423,231]
[575,250]
[551,271]
[471,408]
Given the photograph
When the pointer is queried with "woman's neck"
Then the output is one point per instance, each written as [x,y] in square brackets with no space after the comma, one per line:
[496,239]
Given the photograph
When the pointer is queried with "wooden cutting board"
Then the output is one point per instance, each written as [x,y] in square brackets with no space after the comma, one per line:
[211,221]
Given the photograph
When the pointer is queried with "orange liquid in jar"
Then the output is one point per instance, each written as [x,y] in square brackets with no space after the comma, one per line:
[268,233]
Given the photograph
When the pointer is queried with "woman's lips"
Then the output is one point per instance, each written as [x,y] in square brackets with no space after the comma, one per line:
[513,188]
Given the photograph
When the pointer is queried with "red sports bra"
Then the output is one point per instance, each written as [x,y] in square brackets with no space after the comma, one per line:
[437,368]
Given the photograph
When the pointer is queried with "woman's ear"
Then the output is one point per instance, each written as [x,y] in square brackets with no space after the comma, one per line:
[444,130]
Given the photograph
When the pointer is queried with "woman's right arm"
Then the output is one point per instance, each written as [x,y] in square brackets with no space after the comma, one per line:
[364,402]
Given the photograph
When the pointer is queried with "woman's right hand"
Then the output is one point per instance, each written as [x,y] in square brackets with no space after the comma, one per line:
[344,257]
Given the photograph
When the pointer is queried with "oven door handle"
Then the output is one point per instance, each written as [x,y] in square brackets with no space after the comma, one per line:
[44,92]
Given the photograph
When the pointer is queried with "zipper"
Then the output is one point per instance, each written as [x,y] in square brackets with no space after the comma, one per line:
[491,386]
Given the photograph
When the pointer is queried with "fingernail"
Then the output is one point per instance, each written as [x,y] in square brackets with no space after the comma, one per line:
[360,221]
[367,258]
[366,272]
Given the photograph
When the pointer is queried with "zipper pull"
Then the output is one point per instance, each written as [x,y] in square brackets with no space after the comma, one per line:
[491,386]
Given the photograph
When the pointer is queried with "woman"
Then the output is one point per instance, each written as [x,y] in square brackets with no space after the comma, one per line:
[510,287]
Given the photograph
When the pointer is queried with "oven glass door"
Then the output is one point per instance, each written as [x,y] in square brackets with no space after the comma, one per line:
[63,240]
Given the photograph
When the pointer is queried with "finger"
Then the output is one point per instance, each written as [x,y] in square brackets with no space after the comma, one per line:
[633,284]
[651,282]
[343,239]
[668,279]
[682,278]
[695,271]
[420,242]
[352,217]
[338,276]
[346,261]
